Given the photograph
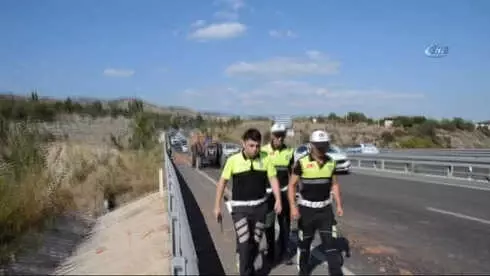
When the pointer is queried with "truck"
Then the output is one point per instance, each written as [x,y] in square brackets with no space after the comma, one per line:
[205,150]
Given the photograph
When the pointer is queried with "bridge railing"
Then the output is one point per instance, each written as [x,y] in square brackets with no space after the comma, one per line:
[474,169]
[184,257]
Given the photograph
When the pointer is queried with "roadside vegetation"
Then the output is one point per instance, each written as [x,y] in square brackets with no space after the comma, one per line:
[42,177]
[355,127]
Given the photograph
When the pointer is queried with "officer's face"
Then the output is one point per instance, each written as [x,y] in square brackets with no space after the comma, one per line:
[251,147]
[278,138]
[321,147]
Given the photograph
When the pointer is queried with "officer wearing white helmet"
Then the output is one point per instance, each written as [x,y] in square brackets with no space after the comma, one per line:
[314,205]
[283,158]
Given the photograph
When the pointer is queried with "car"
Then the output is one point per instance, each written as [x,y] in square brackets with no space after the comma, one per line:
[184,146]
[337,154]
[363,149]
[341,159]
[227,150]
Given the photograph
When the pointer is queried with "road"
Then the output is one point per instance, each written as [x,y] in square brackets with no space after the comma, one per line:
[402,226]
[216,249]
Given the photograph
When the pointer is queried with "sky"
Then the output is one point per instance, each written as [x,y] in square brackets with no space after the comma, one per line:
[261,57]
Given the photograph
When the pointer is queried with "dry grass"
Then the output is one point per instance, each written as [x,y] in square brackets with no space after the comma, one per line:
[348,134]
[342,134]
[75,177]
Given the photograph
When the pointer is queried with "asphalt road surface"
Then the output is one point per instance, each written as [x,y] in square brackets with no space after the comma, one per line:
[408,227]
[216,249]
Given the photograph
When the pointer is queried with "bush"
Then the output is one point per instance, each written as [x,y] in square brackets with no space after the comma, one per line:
[418,142]
[25,193]
[387,137]
[40,180]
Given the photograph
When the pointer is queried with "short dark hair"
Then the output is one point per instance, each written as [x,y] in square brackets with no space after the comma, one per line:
[252,134]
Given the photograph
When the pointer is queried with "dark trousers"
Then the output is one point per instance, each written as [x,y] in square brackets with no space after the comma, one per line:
[249,226]
[284,222]
[311,220]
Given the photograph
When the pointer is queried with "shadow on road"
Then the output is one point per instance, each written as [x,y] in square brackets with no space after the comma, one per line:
[209,261]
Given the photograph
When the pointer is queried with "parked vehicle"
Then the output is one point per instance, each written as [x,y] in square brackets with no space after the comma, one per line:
[337,154]
[184,146]
[228,149]
[204,150]
[363,149]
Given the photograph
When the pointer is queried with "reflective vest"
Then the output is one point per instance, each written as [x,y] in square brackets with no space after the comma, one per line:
[316,181]
[281,158]
[250,177]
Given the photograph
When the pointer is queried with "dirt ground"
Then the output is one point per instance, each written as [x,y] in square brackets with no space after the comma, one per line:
[131,240]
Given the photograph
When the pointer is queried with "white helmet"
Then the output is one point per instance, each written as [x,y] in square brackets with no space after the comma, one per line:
[319,136]
[278,128]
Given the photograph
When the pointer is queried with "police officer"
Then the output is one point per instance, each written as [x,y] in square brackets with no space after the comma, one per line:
[251,172]
[283,159]
[314,210]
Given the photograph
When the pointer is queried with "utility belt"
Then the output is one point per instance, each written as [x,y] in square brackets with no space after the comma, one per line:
[256,202]
[283,189]
[314,204]
[243,203]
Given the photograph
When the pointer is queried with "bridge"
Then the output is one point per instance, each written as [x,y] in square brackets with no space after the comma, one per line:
[397,222]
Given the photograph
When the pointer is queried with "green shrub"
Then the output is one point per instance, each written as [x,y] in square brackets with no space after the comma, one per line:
[418,142]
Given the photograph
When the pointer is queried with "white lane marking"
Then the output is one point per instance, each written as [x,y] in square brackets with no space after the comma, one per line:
[404,176]
[484,221]
[227,203]
[345,270]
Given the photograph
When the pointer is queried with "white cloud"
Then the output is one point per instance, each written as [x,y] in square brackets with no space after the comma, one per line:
[230,9]
[198,23]
[303,97]
[234,5]
[282,34]
[285,66]
[122,73]
[313,54]
[219,31]
[227,15]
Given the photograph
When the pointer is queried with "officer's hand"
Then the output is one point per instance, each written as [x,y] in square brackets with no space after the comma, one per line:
[217,213]
[278,207]
[340,211]
[294,213]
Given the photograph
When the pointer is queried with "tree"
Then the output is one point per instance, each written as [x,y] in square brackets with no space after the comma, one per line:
[34,96]
[356,117]
[135,106]
[199,121]
[332,117]
[144,132]
[68,105]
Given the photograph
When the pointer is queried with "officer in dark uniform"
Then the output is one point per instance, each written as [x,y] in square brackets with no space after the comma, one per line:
[251,172]
[283,159]
[314,209]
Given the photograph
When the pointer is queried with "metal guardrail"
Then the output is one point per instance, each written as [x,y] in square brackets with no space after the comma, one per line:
[184,257]
[454,168]
[427,157]
[483,153]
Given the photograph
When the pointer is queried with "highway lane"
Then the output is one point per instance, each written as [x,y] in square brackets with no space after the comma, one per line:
[410,226]
[203,191]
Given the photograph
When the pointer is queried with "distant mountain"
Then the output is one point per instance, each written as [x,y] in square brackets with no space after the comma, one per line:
[121,103]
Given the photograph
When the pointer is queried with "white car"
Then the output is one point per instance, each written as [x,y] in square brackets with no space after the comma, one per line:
[363,149]
[343,163]
[227,150]
[184,147]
